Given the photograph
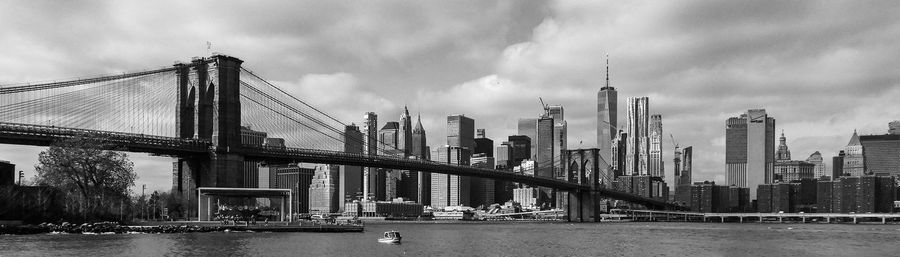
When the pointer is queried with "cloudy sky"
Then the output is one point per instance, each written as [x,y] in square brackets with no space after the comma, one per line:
[820,68]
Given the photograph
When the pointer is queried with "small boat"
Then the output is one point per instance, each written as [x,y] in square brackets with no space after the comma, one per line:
[391,237]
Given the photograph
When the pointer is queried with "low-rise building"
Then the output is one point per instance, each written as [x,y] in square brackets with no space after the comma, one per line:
[397,208]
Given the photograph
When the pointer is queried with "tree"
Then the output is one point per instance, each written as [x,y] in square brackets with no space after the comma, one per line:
[101,178]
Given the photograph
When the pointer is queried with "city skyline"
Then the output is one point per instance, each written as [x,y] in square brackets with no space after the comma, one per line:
[548,49]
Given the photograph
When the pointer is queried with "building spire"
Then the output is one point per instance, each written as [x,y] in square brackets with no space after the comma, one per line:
[607,70]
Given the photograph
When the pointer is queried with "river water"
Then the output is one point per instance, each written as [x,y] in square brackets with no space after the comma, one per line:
[496,239]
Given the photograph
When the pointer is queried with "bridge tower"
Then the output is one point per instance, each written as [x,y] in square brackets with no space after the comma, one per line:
[583,167]
[209,108]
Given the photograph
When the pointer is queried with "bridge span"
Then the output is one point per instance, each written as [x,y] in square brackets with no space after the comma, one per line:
[196,112]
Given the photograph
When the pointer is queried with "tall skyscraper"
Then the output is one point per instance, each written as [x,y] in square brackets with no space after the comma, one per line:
[619,146]
[750,150]
[637,126]
[461,132]
[370,146]
[420,150]
[657,166]
[483,157]
[545,148]
[560,130]
[482,188]
[419,145]
[408,183]
[854,160]
[450,190]
[386,180]
[820,169]
[687,160]
[350,183]
[404,133]
[540,131]
[607,115]
[683,165]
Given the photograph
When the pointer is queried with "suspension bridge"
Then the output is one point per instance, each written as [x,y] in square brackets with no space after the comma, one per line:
[194,112]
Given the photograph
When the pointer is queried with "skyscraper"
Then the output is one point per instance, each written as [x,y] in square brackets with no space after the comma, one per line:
[297,179]
[351,177]
[404,133]
[528,127]
[483,145]
[619,146]
[420,150]
[483,157]
[750,150]
[323,194]
[854,160]
[657,166]
[521,148]
[386,179]
[882,154]
[687,160]
[545,148]
[450,190]
[370,147]
[819,170]
[560,130]
[504,156]
[540,131]
[408,181]
[607,100]
[637,146]
[461,132]
[837,165]
[482,188]
[683,165]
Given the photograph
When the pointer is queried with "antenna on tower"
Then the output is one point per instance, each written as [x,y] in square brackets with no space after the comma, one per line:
[607,70]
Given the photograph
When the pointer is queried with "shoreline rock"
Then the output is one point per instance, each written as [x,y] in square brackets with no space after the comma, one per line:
[101,228]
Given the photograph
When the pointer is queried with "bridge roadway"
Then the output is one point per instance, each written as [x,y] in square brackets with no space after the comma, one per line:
[282,155]
[40,135]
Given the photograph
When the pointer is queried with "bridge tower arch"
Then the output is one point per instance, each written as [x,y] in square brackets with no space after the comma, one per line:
[583,204]
[208,108]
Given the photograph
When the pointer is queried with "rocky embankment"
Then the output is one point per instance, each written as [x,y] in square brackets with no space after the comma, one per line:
[101,228]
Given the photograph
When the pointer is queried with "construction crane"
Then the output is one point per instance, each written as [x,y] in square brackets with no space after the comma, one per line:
[545,106]
[674,142]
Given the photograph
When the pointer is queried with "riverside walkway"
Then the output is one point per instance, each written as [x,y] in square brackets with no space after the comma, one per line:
[649,215]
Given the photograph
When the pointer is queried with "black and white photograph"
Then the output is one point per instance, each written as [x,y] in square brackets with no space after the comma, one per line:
[449,128]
